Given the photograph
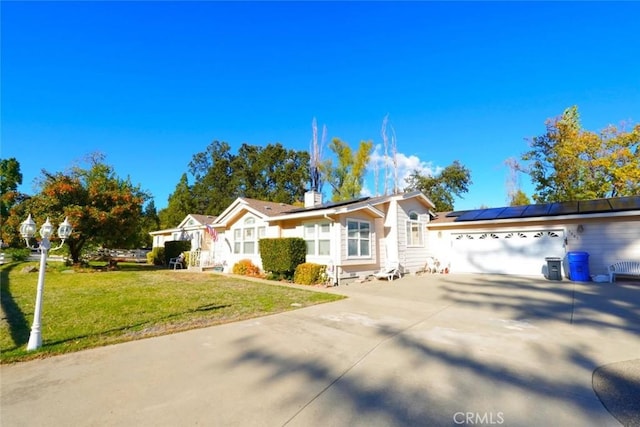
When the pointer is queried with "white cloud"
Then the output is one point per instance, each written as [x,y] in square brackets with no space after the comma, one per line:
[366,191]
[405,164]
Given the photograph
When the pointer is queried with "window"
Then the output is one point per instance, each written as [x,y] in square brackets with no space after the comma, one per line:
[248,240]
[245,238]
[324,239]
[358,238]
[414,230]
[310,238]
[318,238]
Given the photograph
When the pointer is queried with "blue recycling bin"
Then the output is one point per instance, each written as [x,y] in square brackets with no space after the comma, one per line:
[578,266]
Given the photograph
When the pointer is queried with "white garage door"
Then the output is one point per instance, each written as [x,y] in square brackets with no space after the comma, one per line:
[517,252]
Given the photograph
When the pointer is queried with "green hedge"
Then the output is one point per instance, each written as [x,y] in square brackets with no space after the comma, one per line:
[309,273]
[282,256]
[174,248]
[156,256]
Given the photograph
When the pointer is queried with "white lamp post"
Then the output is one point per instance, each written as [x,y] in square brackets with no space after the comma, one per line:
[28,231]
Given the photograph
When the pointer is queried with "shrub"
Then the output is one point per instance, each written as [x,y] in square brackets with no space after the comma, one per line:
[156,256]
[174,248]
[282,256]
[275,276]
[245,267]
[20,254]
[309,273]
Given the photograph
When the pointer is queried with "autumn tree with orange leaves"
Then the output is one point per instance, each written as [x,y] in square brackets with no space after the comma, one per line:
[103,209]
[570,163]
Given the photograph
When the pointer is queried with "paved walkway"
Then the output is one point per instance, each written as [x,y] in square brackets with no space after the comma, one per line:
[431,350]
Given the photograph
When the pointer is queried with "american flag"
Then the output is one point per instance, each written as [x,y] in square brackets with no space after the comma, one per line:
[212,232]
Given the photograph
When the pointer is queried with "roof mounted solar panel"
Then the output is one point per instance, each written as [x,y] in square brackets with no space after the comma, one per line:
[330,205]
[489,213]
[594,206]
[537,210]
[512,212]
[469,216]
[625,203]
[550,209]
[563,208]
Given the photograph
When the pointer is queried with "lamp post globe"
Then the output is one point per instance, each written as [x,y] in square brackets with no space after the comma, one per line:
[65,229]
[46,230]
[28,231]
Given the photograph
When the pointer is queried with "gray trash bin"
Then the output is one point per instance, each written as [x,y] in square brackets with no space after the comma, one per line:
[554,268]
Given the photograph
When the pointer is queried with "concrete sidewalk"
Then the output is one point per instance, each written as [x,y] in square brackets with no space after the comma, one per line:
[430,350]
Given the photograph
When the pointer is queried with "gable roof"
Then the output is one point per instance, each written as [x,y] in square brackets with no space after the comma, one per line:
[345,206]
[197,220]
[583,207]
[259,208]
[204,219]
[419,195]
[273,211]
[369,200]
[268,208]
[329,205]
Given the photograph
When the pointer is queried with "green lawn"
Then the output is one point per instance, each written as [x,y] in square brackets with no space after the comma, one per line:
[84,309]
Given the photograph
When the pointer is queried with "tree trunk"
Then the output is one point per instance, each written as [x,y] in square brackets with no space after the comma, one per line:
[75,249]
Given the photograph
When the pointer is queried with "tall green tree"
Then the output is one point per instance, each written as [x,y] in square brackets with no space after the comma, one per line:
[215,184]
[454,180]
[103,209]
[10,179]
[347,177]
[570,163]
[271,173]
[181,203]
[149,221]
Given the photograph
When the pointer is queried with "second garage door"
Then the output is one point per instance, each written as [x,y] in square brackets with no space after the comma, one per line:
[517,252]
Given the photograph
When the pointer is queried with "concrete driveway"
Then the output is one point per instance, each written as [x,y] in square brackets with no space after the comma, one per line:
[431,350]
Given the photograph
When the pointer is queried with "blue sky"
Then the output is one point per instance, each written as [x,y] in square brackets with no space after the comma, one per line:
[150,84]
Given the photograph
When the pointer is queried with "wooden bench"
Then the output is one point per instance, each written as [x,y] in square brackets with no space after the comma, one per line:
[625,268]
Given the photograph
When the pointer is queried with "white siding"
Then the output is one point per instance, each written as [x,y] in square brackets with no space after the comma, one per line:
[606,242]
[381,253]
[412,258]
[439,244]
[220,251]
